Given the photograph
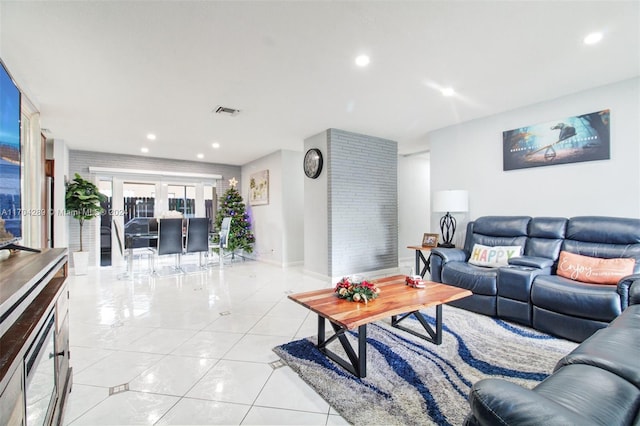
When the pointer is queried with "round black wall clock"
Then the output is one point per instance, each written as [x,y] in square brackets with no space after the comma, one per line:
[312,163]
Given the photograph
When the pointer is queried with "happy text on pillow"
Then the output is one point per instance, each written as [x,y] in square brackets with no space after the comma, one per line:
[493,256]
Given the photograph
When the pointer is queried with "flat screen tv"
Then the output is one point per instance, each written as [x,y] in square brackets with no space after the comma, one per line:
[10,194]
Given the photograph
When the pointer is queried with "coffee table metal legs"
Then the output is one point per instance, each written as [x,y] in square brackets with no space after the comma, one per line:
[434,336]
[357,364]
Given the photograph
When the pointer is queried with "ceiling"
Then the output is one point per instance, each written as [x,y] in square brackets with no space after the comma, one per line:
[104,74]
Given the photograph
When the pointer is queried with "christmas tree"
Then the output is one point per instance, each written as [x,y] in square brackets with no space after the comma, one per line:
[240,235]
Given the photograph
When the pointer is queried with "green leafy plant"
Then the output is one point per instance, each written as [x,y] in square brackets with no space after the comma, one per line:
[82,201]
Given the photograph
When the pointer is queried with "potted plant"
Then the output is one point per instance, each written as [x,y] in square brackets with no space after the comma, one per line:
[82,201]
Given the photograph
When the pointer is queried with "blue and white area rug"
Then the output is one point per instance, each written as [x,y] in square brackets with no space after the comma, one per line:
[412,381]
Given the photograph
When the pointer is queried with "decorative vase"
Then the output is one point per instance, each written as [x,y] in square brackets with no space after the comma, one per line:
[80,262]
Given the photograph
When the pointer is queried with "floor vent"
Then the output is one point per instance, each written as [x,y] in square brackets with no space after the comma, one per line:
[118,389]
[277,364]
[225,313]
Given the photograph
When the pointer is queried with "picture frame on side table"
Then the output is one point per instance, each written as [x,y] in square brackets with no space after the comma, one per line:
[430,240]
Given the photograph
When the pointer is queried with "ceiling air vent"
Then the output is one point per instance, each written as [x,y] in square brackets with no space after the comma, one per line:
[226,111]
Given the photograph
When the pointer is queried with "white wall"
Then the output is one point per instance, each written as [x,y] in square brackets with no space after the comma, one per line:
[32,175]
[414,204]
[267,219]
[316,213]
[293,207]
[277,226]
[60,174]
[469,156]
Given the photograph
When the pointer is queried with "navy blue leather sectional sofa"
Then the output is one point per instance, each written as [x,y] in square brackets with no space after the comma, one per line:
[598,383]
[528,290]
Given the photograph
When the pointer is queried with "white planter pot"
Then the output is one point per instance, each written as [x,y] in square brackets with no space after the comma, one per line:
[80,262]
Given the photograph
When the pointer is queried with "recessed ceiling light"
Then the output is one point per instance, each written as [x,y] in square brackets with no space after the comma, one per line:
[151,137]
[200,155]
[215,145]
[362,61]
[593,38]
[144,150]
[447,91]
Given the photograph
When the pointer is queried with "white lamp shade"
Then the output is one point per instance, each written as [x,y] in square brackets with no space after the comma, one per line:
[451,201]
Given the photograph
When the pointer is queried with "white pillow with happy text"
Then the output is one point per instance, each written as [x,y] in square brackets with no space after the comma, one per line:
[493,256]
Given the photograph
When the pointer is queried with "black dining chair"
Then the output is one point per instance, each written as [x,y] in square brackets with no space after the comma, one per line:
[198,237]
[153,225]
[169,241]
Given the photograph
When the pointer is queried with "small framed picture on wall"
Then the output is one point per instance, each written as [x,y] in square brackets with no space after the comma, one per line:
[429,240]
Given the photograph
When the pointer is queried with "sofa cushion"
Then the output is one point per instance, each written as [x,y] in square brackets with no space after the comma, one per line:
[532,262]
[478,279]
[499,402]
[630,319]
[569,327]
[601,397]
[574,395]
[565,296]
[594,269]
[493,256]
[605,237]
[502,226]
[605,230]
[497,231]
[613,349]
[545,237]
[630,288]
[548,227]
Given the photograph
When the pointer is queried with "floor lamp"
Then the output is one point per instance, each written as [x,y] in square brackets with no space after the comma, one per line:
[449,201]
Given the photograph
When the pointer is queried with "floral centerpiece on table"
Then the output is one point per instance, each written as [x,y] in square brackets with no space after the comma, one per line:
[355,290]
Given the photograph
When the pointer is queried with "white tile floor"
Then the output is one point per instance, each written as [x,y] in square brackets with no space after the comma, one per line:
[192,349]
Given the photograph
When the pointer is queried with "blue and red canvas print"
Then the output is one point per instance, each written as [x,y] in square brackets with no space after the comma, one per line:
[568,140]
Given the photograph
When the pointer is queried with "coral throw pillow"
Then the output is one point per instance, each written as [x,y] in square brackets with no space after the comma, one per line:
[594,270]
[493,256]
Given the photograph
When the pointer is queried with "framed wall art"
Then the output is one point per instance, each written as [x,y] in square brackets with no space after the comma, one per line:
[567,140]
[259,188]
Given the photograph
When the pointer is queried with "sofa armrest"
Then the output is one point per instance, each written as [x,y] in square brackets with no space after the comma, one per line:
[531,262]
[450,254]
[440,257]
[629,290]
[634,292]
[496,401]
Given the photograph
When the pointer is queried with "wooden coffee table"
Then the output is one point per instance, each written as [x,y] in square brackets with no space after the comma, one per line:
[395,299]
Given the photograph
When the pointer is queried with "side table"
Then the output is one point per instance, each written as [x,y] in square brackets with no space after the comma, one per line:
[421,260]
